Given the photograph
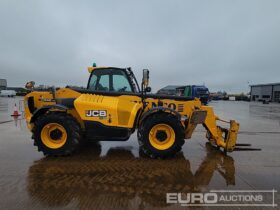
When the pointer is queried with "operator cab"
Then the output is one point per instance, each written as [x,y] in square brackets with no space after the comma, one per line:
[112,80]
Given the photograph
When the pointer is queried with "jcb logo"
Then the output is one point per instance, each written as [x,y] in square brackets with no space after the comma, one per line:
[96,113]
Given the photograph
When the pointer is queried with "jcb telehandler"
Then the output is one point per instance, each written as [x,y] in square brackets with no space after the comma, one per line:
[111,108]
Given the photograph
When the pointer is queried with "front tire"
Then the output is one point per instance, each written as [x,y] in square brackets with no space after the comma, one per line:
[56,134]
[161,135]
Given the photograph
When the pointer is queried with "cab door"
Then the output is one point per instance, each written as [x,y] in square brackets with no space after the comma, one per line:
[110,80]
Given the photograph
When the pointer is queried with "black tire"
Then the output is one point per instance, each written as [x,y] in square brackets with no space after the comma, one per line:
[149,123]
[71,126]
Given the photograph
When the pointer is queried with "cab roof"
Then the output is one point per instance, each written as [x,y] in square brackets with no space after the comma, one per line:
[91,69]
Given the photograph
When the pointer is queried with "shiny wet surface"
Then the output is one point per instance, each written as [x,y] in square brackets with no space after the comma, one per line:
[116,175]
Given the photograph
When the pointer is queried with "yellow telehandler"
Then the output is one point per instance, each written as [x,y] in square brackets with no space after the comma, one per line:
[111,108]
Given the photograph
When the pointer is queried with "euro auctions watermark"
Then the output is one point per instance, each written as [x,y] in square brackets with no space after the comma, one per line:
[265,198]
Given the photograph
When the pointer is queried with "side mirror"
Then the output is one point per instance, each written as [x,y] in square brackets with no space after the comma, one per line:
[30,85]
[148,89]
[145,80]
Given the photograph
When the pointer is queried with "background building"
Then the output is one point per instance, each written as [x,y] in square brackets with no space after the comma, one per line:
[3,84]
[265,92]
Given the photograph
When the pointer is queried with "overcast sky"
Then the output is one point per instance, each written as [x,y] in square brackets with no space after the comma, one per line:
[222,44]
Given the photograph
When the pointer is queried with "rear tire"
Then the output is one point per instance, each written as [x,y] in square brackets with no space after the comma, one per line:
[57,134]
[161,135]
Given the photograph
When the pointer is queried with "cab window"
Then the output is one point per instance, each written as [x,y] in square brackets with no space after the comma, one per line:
[120,83]
[103,84]
[92,82]
[99,80]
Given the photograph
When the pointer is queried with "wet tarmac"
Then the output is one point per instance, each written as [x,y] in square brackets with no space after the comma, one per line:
[115,175]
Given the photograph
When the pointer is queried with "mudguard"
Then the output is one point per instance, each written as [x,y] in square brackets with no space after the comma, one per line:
[159,109]
[44,109]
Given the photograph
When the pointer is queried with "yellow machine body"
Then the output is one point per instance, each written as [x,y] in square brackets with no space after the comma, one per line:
[125,111]
[120,111]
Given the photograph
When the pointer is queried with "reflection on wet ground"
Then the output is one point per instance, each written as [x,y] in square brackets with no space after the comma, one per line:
[117,178]
[262,111]
[116,175]
[7,107]
[3,106]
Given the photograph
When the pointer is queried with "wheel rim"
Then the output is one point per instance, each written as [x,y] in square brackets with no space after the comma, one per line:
[53,135]
[162,136]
